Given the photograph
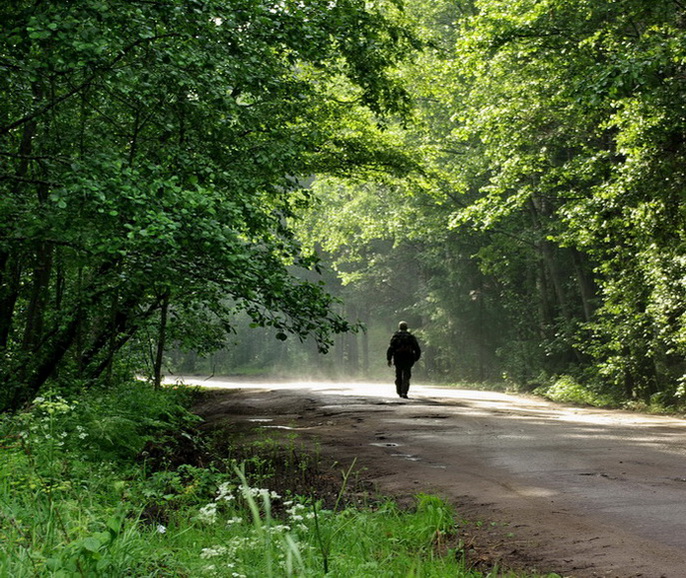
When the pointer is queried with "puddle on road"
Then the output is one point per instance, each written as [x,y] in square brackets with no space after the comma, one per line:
[408,457]
[415,422]
[267,420]
[513,436]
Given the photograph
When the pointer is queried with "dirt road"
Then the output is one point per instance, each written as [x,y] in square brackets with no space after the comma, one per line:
[579,492]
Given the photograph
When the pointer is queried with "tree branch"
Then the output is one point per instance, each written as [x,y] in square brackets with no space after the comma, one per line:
[79,87]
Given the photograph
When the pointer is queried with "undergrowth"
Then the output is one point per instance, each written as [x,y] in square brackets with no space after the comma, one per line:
[566,389]
[120,483]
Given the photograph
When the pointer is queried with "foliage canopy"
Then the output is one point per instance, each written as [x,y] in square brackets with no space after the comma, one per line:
[546,233]
[153,157]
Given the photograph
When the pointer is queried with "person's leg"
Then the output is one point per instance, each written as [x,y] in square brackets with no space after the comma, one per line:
[405,381]
[398,380]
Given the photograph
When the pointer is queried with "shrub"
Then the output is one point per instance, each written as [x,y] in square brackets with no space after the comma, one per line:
[567,390]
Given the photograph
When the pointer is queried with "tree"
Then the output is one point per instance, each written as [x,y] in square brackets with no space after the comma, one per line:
[551,140]
[153,160]
[576,109]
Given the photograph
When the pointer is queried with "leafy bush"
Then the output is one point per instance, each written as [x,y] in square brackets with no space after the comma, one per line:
[106,425]
[567,390]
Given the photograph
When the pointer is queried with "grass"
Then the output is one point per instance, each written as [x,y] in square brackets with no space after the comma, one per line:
[121,484]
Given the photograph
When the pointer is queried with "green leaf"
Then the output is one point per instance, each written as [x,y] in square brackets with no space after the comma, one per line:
[92,544]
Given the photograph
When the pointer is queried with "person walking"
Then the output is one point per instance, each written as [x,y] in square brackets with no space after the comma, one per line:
[403,352]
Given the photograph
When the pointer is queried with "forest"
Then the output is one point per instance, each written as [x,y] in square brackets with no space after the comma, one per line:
[233,184]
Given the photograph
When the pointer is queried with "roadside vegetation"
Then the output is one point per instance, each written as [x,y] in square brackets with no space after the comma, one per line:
[120,483]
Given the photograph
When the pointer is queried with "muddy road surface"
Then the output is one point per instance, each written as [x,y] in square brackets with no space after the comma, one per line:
[579,492]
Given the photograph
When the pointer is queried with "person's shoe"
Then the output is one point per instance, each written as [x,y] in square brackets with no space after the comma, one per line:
[404,395]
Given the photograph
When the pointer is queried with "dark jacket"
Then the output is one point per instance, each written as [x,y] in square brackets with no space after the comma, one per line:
[403,349]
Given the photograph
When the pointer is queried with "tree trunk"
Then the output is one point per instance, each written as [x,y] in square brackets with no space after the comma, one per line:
[10,278]
[35,312]
[548,258]
[29,381]
[114,335]
[161,342]
[587,289]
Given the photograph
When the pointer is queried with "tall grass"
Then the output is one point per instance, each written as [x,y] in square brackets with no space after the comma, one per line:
[97,487]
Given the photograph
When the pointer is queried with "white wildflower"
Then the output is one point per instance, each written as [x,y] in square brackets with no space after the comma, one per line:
[208,514]
[224,493]
[256,492]
[213,552]
[278,529]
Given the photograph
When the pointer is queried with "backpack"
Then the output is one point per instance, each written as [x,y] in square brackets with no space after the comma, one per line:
[403,344]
